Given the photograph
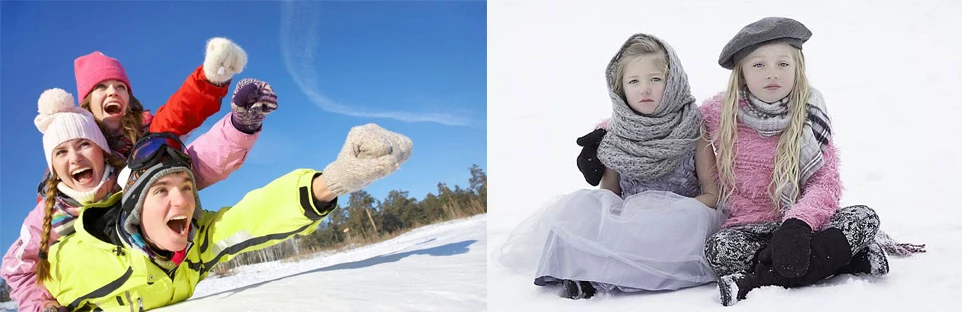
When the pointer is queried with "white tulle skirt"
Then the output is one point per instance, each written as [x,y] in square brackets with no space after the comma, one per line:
[650,241]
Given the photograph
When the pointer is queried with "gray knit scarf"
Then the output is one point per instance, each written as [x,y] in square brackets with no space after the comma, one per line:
[770,119]
[649,146]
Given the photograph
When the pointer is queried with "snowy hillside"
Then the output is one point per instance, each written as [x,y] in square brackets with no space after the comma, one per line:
[440,267]
[890,74]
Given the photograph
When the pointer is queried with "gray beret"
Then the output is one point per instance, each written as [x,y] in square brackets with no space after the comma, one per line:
[766,30]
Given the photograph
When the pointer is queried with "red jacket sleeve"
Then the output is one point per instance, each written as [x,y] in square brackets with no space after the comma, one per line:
[196,100]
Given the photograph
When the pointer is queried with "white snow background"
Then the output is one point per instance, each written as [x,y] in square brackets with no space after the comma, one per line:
[889,72]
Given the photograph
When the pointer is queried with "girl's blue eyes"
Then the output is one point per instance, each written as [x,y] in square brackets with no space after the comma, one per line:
[654,79]
[103,86]
[781,64]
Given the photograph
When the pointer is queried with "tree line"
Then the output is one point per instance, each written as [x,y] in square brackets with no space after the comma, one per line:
[366,219]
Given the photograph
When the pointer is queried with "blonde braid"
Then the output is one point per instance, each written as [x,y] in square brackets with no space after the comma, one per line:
[43,266]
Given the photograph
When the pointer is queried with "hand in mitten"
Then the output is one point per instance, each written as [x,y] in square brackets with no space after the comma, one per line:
[370,153]
[222,60]
[790,248]
[827,252]
[588,160]
[251,102]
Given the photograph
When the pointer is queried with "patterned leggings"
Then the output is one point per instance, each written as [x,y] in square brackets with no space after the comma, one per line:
[732,250]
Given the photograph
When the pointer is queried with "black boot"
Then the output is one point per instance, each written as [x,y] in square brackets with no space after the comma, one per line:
[734,287]
[577,289]
[829,252]
[871,260]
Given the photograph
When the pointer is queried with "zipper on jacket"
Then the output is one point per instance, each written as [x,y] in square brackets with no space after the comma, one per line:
[173,271]
[130,300]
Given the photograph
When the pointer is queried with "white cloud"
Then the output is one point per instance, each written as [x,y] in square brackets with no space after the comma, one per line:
[299,45]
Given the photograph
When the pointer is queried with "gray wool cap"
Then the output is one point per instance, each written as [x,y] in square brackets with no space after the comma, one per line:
[766,30]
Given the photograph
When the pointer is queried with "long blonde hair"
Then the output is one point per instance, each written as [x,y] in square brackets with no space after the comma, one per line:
[131,123]
[43,268]
[786,170]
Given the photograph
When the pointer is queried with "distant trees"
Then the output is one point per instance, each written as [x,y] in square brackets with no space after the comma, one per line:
[4,291]
[369,220]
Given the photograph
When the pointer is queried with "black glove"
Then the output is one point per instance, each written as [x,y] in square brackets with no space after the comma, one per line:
[828,252]
[790,248]
[588,160]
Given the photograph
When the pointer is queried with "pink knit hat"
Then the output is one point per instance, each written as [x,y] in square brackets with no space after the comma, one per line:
[60,121]
[94,68]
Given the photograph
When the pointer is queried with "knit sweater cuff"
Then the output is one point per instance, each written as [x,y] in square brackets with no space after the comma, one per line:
[335,181]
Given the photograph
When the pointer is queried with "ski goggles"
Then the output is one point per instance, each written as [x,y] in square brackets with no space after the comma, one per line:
[150,149]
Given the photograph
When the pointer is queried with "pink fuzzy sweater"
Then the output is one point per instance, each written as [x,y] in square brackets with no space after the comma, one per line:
[750,203]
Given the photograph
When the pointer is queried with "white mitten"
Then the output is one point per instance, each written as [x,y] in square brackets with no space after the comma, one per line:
[222,60]
[370,153]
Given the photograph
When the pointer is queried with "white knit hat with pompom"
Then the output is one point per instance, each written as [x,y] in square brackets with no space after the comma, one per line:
[60,121]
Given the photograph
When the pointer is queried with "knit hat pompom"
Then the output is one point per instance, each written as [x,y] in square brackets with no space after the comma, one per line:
[55,100]
[59,120]
[50,102]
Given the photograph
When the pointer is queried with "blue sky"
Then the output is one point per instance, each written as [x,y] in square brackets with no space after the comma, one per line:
[418,68]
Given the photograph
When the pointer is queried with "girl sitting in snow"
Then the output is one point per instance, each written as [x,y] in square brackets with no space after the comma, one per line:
[152,242]
[778,171]
[645,228]
[106,91]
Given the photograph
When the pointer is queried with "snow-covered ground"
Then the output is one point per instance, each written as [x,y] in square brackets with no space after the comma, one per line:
[439,267]
[889,72]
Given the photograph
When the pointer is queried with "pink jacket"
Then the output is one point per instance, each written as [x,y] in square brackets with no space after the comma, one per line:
[749,202]
[215,154]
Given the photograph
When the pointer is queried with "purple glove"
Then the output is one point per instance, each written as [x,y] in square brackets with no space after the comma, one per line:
[252,101]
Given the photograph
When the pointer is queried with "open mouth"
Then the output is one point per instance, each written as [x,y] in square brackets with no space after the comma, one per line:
[179,224]
[112,108]
[83,176]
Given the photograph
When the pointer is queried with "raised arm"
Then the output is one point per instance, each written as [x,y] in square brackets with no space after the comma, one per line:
[200,95]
